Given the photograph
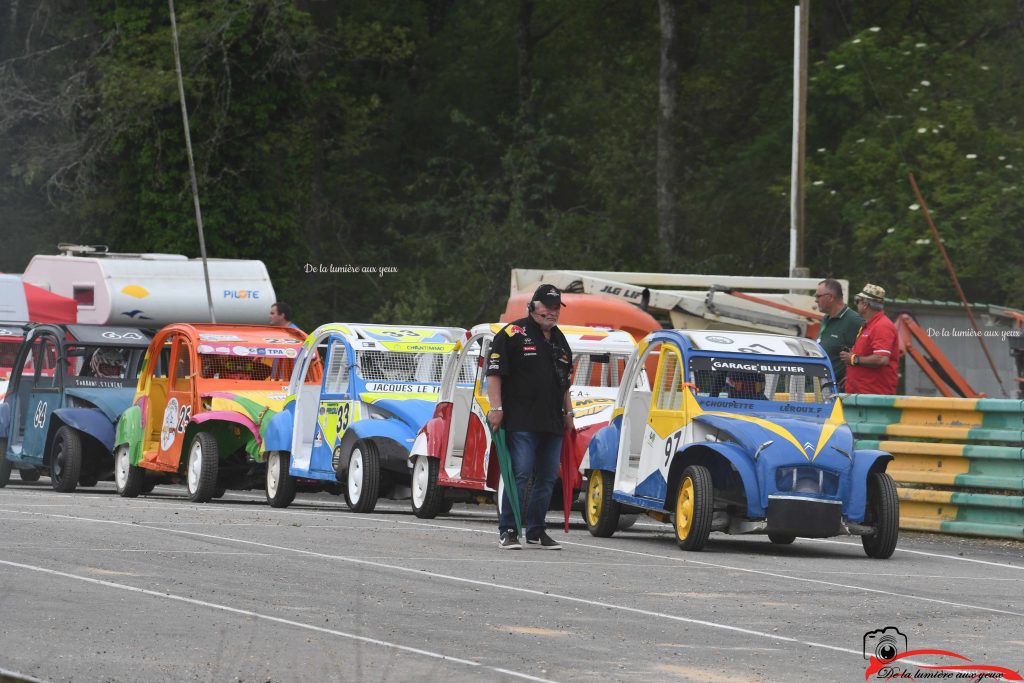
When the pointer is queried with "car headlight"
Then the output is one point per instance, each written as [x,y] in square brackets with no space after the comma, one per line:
[805,479]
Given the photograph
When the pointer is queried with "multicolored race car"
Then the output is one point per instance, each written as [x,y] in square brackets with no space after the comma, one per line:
[204,398]
[742,434]
[69,386]
[357,426]
[451,458]
[11,336]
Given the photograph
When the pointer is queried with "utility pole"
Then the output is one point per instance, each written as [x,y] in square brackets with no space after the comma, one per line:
[801,23]
[191,160]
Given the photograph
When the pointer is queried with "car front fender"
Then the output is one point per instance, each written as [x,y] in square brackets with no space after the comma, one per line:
[91,421]
[435,436]
[382,429]
[603,451]
[864,463]
[129,431]
[704,453]
[280,428]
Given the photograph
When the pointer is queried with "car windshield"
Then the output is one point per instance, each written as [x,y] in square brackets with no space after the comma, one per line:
[401,366]
[598,369]
[761,380]
[8,356]
[95,365]
[253,368]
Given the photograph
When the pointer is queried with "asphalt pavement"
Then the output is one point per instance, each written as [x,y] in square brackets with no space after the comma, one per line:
[94,587]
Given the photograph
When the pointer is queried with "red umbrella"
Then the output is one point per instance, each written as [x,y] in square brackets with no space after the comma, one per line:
[567,471]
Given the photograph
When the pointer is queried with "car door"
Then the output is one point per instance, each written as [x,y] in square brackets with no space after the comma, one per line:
[666,424]
[43,397]
[469,438]
[335,409]
[180,401]
[154,388]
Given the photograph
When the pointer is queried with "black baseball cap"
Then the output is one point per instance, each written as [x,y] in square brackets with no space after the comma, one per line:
[548,295]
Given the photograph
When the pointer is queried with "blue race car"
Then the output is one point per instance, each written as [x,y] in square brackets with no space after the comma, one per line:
[356,427]
[741,434]
[68,386]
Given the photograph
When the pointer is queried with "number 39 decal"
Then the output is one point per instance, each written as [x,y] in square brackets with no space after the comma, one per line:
[672,445]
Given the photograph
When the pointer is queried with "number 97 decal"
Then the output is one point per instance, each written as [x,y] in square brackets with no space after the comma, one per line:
[672,445]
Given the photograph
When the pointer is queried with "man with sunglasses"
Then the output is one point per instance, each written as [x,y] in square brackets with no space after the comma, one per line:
[839,327]
[874,359]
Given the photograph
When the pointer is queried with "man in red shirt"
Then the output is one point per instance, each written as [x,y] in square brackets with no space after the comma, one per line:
[874,359]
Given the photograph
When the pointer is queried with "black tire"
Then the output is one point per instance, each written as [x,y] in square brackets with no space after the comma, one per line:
[280,483]
[148,485]
[362,477]
[427,496]
[201,472]
[781,539]
[219,492]
[600,512]
[128,478]
[65,460]
[626,521]
[446,507]
[29,475]
[694,508]
[5,464]
[883,513]
[89,479]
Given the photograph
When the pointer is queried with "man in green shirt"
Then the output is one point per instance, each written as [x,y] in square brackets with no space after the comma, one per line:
[839,328]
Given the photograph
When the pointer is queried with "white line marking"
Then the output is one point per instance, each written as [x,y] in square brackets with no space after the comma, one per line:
[20,676]
[473,582]
[685,560]
[267,617]
[383,506]
[922,552]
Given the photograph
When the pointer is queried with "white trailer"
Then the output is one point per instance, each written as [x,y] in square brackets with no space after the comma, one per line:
[153,290]
[13,304]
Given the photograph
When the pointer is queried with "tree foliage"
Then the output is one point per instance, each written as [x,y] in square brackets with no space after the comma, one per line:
[453,141]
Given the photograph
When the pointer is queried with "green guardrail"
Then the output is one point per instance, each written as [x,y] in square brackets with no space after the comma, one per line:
[958,463]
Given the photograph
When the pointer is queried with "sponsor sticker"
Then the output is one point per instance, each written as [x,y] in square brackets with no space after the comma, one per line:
[219,337]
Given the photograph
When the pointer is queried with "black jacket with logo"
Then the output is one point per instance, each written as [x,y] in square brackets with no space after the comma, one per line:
[535,374]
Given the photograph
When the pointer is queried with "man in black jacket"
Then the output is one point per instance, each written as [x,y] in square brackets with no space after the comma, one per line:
[528,378]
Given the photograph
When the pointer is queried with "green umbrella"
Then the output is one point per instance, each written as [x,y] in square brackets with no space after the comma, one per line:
[508,475]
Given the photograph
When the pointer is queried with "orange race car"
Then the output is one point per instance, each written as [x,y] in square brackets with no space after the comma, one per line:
[204,398]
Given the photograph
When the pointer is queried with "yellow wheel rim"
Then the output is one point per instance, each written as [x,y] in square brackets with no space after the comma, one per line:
[595,497]
[684,509]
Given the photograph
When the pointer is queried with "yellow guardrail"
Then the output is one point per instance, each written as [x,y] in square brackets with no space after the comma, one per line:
[958,463]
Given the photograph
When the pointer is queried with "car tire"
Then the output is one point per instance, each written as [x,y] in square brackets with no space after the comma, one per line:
[88,479]
[5,464]
[128,478]
[148,485]
[694,508]
[201,472]
[280,483]
[65,460]
[446,507]
[600,512]
[29,475]
[626,522]
[362,477]
[427,496]
[781,539]
[883,513]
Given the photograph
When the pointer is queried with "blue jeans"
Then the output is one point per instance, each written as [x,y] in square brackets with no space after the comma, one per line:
[539,454]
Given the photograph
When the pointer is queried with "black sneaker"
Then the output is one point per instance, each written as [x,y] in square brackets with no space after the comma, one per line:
[544,541]
[509,540]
